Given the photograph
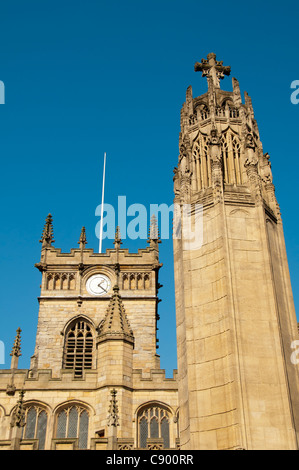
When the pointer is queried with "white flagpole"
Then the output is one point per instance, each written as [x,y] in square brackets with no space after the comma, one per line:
[102,207]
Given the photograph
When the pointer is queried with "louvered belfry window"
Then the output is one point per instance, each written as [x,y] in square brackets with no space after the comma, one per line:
[78,347]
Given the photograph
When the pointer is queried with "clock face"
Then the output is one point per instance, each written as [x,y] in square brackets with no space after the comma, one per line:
[98,284]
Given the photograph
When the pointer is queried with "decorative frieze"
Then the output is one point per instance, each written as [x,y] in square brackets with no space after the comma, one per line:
[135,281]
[60,281]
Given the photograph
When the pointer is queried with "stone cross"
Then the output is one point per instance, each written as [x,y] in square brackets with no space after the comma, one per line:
[213,69]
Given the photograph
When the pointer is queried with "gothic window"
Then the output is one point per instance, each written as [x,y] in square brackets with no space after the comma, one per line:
[36,425]
[220,111]
[206,165]
[204,112]
[233,112]
[78,347]
[237,158]
[196,170]
[192,119]
[224,148]
[231,155]
[72,422]
[153,422]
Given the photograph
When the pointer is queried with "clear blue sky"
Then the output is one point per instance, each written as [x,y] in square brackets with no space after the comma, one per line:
[85,77]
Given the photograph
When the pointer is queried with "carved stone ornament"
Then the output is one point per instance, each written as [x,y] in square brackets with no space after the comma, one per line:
[213,69]
[250,151]
[266,170]
[176,181]
[214,143]
[183,159]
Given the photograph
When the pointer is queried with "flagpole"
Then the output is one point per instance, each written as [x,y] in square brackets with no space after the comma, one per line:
[102,207]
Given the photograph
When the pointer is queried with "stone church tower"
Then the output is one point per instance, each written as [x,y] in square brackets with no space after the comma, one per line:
[95,381]
[238,388]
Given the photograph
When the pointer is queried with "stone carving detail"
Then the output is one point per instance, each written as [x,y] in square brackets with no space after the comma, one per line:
[155,446]
[215,143]
[213,69]
[266,171]
[18,416]
[113,412]
[135,281]
[192,119]
[176,181]
[250,151]
[125,446]
[183,159]
[61,281]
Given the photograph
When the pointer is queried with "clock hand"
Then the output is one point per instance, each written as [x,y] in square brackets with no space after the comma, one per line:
[100,285]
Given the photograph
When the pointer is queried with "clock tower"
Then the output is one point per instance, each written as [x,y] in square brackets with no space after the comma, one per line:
[236,322]
[84,292]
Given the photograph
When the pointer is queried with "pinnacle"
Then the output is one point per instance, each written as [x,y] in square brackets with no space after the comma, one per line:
[47,236]
[117,240]
[16,350]
[82,240]
[116,321]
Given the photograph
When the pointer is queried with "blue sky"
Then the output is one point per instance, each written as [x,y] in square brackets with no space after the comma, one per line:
[87,77]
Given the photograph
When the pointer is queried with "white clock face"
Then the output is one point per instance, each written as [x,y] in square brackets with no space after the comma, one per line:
[98,284]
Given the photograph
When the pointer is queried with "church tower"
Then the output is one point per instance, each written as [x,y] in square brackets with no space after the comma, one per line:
[238,387]
[95,380]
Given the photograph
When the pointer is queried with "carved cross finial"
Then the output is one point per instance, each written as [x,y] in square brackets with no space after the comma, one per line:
[82,240]
[213,69]
[47,236]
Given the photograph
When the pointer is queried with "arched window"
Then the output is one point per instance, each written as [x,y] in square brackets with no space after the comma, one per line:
[78,347]
[153,422]
[72,422]
[237,160]
[36,419]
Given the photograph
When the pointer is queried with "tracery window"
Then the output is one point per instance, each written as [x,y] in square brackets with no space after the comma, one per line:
[201,162]
[231,155]
[36,419]
[72,422]
[153,422]
[78,347]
